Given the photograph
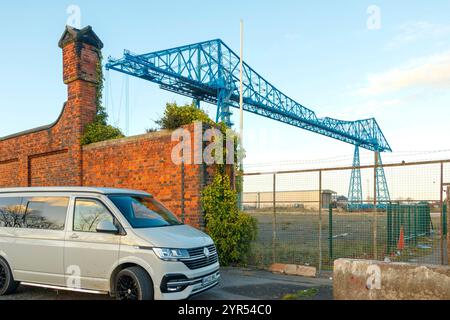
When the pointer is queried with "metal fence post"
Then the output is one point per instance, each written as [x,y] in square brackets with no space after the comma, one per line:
[448,222]
[274,218]
[374,226]
[444,220]
[441,205]
[330,232]
[183,214]
[320,221]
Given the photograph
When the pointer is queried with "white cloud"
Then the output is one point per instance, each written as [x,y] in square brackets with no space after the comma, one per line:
[427,72]
[418,31]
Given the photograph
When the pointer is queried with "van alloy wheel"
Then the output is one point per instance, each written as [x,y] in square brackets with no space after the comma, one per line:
[133,283]
[7,283]
[3,276]
[127,288]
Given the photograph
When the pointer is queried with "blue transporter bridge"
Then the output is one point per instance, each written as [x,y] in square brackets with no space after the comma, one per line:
[210,71]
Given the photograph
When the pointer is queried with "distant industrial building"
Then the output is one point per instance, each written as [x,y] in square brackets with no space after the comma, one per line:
[304,199]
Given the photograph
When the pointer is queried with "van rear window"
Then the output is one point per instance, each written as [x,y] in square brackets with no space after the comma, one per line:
[48,213]
[11,212]
[45,213]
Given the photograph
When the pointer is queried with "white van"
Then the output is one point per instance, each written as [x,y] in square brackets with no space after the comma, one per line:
[96,240]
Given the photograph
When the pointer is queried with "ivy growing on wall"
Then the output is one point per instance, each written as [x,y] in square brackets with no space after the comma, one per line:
[99,129]
[232,230]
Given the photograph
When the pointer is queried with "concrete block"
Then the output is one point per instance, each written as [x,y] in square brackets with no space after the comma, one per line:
[277,268]
[293,269]
[306,271]
[290,269]
[375,280]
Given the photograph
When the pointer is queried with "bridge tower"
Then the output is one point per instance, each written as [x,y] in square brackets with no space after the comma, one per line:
[355,197]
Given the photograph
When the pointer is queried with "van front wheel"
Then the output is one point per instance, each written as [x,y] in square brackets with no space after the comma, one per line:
[134,284]
[7,283]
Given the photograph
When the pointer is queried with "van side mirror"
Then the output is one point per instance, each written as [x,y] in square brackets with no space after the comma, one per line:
[107,226]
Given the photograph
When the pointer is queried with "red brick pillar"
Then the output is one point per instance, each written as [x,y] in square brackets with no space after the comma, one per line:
[81,60]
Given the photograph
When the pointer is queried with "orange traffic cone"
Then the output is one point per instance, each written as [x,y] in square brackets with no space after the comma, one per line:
[401,240]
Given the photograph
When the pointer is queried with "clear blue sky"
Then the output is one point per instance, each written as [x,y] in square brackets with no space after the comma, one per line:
[321,53]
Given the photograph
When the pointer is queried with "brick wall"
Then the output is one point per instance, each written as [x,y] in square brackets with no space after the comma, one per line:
[144,163]
[9,171]
[52,155]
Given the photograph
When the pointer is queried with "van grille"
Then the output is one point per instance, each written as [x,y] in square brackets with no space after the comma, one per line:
[199,260]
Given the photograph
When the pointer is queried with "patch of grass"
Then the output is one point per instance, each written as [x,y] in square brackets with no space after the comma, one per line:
[302,294]
[297,240]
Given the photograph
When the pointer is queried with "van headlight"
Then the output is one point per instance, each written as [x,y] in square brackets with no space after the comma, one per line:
[167,254]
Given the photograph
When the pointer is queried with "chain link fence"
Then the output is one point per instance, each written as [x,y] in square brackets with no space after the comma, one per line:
[304,217]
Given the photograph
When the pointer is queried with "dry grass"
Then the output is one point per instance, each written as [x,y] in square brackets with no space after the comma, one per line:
[297,239]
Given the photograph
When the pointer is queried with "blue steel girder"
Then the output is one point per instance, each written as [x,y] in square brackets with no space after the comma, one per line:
[207,70]
[355,196]
[383,195]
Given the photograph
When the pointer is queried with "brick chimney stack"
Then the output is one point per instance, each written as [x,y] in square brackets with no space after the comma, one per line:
[81,58]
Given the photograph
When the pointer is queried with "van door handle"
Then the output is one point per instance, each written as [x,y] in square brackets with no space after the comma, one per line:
[74,236]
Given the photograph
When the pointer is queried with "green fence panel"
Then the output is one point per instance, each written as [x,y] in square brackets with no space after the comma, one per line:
[415,220]
[389,229]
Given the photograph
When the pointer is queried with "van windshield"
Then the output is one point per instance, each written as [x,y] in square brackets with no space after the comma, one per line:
[144,212]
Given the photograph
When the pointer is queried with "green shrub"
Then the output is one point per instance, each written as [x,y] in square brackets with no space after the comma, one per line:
[231,230]
[151,130]
[97,131]
[176,116]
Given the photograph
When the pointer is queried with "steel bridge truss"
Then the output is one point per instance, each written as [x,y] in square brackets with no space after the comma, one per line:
[210,71]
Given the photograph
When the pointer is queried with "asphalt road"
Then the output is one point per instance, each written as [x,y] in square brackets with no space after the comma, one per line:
[236,284]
